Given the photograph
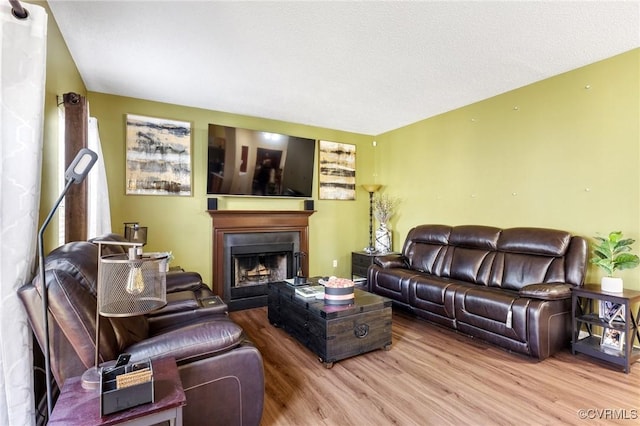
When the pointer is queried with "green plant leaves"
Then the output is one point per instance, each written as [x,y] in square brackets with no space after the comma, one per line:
[612,253]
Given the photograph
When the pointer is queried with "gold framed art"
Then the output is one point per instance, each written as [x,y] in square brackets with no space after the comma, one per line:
[337,174]
[158,156]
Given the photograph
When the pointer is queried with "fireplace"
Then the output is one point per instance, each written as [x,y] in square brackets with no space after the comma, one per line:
[260,264]
[253,260]
[253,248]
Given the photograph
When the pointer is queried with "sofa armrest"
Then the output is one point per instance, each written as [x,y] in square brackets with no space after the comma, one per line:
[547,291]
[390,261]
[183,281]
[185,307]
[199,339]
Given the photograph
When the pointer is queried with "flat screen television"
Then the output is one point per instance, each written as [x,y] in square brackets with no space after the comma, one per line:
[257,163]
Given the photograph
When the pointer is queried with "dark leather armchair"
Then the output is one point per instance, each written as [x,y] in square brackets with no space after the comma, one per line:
[221,371]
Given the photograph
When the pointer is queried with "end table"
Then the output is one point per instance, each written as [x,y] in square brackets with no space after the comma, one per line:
[78,406]
[360,262]
[585,314]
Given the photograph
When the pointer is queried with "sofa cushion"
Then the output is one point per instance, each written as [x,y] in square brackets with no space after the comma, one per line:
[470,265]
[514,271]
[425,246]
[393,283]
[498,311]
[79,260]
[434,294]
[538,241]
[475,236]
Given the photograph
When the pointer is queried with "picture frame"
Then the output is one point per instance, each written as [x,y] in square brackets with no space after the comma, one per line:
[337,171]
[612,339]
[158,156]
[611,312]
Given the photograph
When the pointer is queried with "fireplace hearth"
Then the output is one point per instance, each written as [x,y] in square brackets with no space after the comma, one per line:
[253,248]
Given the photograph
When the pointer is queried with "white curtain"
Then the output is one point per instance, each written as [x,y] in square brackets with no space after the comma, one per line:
[22,84]
[99,212]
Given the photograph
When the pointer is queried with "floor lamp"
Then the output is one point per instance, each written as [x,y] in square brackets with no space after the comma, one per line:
[76,172]
[371,189]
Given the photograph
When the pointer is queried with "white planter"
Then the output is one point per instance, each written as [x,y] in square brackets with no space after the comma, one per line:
[383,239]
[611,285]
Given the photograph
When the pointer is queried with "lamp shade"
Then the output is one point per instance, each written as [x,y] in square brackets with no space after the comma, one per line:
[371,187]
[132,286]
[135,233]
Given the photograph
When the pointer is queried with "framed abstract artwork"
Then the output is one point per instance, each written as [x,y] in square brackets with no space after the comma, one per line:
[158,156]
[337,175]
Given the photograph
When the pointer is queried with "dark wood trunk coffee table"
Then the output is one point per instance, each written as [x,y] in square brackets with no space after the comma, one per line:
[332,332]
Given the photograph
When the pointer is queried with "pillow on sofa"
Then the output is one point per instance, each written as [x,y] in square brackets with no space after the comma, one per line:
[547,291]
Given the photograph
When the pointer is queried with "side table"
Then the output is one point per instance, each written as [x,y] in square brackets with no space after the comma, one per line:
[78,406]
[360,262]
[586,315]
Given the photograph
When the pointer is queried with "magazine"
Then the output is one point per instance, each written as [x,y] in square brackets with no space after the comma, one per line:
[310,291]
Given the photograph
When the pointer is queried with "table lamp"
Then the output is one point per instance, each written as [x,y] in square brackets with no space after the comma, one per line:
[371,189]
[128,285]
[135,233]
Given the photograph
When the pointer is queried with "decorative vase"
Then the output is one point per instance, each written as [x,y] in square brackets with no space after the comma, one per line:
[612,285]
[383,239]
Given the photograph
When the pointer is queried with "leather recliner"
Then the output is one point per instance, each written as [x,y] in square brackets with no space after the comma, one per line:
[220,369]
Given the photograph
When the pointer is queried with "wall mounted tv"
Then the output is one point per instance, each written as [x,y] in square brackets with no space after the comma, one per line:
[257,163]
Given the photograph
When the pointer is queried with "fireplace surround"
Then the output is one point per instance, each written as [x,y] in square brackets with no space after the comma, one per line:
[251,248]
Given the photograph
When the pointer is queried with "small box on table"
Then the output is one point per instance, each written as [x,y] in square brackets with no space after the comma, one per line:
[125,387]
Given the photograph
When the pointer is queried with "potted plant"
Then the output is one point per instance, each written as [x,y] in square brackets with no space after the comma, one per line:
[612,254]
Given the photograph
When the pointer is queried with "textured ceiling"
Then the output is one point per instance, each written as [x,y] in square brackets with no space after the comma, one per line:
[366,67]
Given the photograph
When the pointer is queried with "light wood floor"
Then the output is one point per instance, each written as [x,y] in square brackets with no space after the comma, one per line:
[434,376]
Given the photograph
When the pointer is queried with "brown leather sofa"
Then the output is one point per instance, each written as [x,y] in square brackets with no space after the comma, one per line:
[221,371]
[510,287]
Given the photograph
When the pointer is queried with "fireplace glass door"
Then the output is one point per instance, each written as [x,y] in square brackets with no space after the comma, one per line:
[254,266]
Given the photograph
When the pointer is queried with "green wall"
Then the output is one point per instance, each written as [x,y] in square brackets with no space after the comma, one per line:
[182,224]
[62,77]
[561,153]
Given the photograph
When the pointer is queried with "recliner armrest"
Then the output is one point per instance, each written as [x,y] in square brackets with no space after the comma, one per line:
[547,291]
[183,281]
[201,339]
[186,307]
[390,261]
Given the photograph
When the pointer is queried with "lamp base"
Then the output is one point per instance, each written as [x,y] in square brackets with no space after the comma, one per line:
[370,250]
[91,379]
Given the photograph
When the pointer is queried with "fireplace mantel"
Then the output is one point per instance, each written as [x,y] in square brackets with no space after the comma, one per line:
[250,221]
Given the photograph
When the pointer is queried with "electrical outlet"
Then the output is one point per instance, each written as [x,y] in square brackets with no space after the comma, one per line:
[335,263]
